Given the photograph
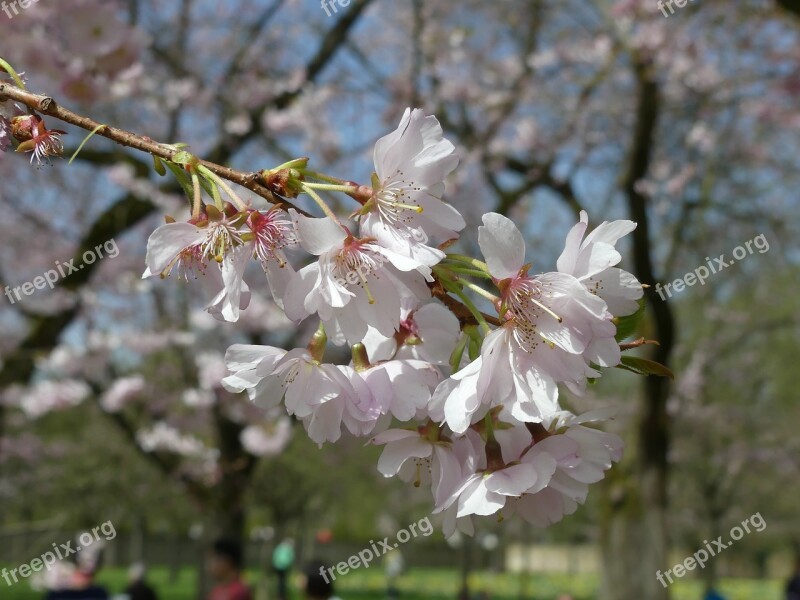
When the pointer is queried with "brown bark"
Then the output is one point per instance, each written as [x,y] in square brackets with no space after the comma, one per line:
[635,534]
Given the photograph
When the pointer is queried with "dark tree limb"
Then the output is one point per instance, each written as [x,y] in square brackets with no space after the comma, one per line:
[654,426]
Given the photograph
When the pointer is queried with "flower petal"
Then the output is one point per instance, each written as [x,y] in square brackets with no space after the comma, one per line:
[502,245]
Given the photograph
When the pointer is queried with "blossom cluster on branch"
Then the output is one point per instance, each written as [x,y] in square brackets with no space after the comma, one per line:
[478,407]
[462,401]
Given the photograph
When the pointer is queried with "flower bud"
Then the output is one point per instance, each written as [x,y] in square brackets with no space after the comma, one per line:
[284,182]
[24,127]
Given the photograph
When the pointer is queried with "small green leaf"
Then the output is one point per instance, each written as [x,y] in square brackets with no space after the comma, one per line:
[644,366]
[158,165]
[83,143]
[14,75]
[182,158]
[627,326]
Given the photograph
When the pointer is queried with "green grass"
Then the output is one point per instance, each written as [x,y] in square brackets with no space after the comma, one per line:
[431,584]
[422,584]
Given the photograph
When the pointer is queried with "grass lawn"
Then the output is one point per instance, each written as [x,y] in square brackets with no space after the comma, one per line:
[431,584]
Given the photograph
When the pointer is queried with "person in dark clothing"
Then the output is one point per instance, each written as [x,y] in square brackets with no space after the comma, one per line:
[225,566]
[793,587]
[138,589]
[317,586]
[93,592]
[82,585]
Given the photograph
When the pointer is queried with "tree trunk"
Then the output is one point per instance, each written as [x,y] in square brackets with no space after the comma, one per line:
[634,535]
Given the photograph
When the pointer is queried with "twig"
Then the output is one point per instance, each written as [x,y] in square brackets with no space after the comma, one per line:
[48,106]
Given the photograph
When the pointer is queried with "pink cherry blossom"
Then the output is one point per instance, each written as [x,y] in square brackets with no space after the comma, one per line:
[592,261]
[273,233]
[192,250]
[121,392]
[260,440]
[322,396]
[582,455]
[402,387]
[406,208]
[415,458]
[355,284]
[428,333]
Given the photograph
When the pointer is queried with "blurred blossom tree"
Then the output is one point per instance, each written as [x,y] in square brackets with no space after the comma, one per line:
[682,125]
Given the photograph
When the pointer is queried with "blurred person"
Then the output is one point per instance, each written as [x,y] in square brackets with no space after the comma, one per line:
[79,583]
[793,587]
[138,589]
[225,567]
[316,586]
[282,561]
[393,565]
[713,594]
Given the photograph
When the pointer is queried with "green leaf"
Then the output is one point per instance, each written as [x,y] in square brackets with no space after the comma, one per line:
[158,165]
[183,179]
[644,366]
[14,75]
[83,143]
[182,158]
[627,326]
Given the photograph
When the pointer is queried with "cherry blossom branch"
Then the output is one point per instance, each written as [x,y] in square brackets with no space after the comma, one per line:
[462,313]
[48,106]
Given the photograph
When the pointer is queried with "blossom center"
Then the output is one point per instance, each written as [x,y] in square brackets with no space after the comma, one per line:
[527,299]
[356,263]
[189,262]
[396,200]
[222,237]
[272,233]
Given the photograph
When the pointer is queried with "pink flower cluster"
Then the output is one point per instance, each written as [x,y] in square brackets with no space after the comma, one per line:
[474,414]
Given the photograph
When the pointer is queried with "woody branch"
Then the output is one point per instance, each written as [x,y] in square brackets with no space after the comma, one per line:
[48,106]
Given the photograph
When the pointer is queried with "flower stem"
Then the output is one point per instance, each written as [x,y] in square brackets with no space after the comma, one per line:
[240,204]
[330,187]
[322,177]
[479,290]
[322,204]
[198,197]
[458,353]
[467,271]
[469,304]
[474,262]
